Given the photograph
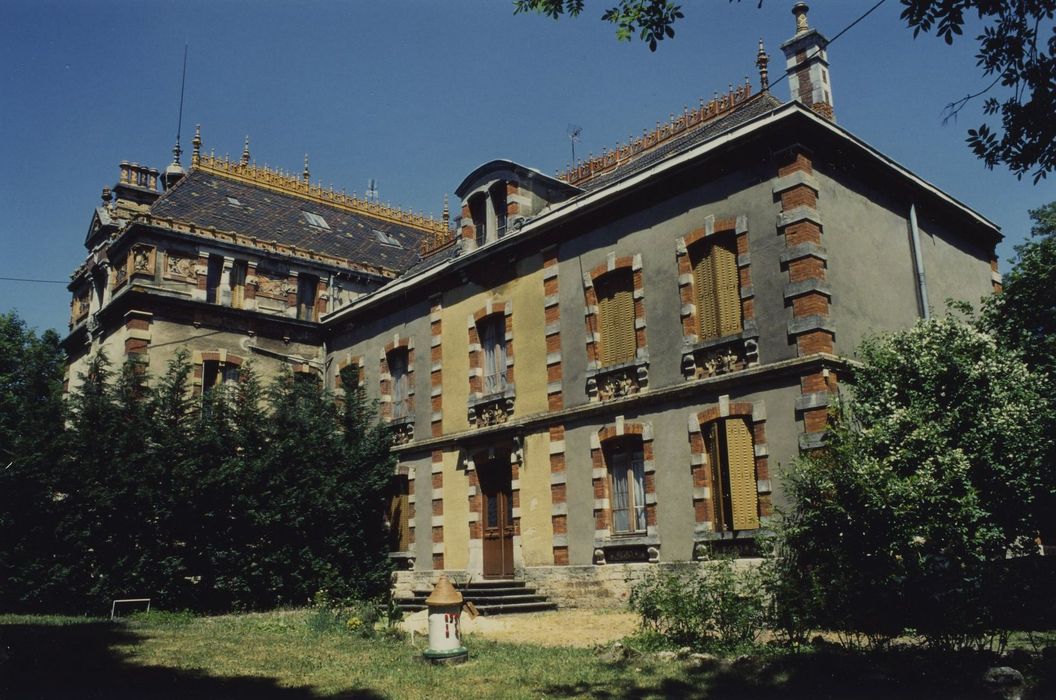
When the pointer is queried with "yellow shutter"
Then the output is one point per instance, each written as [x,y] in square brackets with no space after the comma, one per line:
[718,496]
[623,325]
[605,313]
[616,318]
[399,510]
[741,470]
[707,312]
[727,289]
[717,286]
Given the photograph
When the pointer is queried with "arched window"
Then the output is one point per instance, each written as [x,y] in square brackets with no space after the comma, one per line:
[731,457]
[615,294]
[716,287]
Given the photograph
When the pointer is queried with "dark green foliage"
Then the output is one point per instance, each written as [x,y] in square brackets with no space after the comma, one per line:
[905,521]
[31,370]
[651,20]
[243,498]
[1023,319]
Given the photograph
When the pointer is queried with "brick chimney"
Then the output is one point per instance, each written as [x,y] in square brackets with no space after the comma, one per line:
[807,65]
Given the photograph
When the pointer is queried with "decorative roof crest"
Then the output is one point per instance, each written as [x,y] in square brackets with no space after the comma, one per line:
[299,186]
[675,126]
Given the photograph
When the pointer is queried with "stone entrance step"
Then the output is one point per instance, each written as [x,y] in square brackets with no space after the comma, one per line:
[496,597]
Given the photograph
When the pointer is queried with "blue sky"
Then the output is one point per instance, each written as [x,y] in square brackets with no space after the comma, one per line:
[415,95]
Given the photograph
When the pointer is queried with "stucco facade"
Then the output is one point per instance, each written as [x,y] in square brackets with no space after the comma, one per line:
[595,372]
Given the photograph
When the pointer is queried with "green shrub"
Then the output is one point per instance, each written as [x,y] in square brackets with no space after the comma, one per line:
[718,606]
[347,615]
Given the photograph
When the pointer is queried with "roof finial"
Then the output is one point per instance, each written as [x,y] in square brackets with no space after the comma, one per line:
[245,153]
[800,10]
[761,60]
[446,215]
[306,174]
[196,143]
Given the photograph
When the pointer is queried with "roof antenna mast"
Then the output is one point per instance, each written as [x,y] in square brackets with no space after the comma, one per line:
[573,136]
[179,121]
[175,172]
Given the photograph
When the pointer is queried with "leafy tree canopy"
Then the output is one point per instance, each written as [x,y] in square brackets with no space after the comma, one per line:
[934,476]
[1017,49]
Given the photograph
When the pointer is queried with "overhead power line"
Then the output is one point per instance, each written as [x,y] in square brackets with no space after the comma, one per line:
[840,33]
[26,279]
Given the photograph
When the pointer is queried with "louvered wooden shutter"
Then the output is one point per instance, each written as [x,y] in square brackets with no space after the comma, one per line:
[727,289]
[718,479]
[616,318]
[399,510]
[718,295]
[707,310]
[740,467]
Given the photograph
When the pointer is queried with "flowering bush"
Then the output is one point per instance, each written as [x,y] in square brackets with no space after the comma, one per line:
[928,483]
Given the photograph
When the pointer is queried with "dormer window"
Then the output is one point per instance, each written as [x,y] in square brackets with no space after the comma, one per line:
[386,239]
[478,210]
[497,194]
[315,220]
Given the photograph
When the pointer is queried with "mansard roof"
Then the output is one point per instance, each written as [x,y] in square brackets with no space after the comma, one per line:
[268,206]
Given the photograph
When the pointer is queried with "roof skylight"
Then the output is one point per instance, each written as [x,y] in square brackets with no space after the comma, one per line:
[315,220]
[386,239]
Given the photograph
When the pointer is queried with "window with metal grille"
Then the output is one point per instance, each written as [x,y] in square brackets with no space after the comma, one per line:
[615,293]
[492,332]
[626,465]
[734,490]
[398,371]
[716,287]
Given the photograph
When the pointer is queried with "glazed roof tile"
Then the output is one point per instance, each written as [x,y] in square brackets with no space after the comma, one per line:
[211,200]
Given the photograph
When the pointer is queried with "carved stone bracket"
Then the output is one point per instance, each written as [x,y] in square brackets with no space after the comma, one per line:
[402,431]
[713,359]
[491,410]
[627,549]
[616,382]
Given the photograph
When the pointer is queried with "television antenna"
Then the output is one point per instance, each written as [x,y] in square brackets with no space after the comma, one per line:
[573,136]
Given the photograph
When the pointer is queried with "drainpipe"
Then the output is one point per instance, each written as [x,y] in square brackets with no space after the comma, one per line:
[918,264]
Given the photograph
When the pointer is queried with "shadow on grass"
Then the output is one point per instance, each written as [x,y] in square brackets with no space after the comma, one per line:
[824,675]
[53,662]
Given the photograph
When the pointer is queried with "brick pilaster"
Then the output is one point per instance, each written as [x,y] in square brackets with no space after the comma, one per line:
[552,330]
[438,509]
[436,370]
[558,494]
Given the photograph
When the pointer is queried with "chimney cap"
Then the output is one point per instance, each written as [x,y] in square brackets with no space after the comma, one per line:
[800,10]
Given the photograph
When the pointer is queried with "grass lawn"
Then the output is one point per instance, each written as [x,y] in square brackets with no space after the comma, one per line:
[278,656]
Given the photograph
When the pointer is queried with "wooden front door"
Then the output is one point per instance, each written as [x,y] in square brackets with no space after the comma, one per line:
[497,517]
